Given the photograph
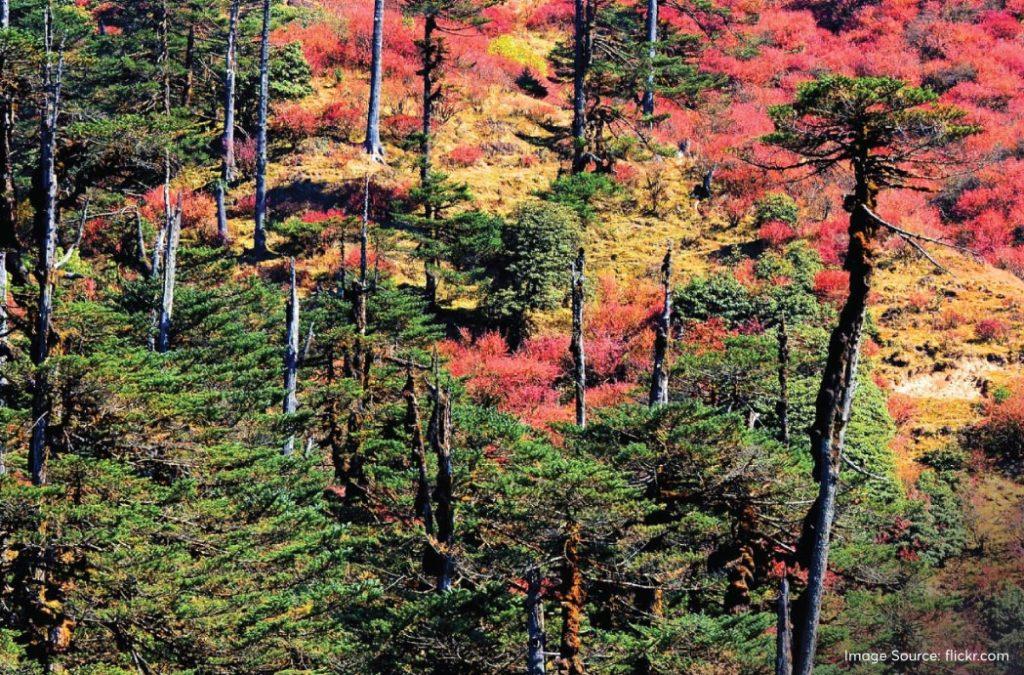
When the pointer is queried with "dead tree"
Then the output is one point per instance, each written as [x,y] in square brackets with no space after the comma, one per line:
[227,149]
[659,373]
[45,199]
[259,237]
[291,356]
[783,634]
[536,640]
[573,596]
[439,434]
[647,103]
[372,144]
[579,368]
[8,237]
[782,405]
[421,508]
[170,270]
[3,343]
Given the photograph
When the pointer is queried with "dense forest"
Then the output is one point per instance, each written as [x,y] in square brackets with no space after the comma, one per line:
[496,336]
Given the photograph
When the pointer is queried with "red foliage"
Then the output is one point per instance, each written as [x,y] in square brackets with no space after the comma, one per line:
[197,208]
[991,330]
[707,336]
[832,285]
[465,155]
[902,409]
[776,233]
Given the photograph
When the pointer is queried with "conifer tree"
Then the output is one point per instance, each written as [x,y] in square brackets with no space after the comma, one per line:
[890,135]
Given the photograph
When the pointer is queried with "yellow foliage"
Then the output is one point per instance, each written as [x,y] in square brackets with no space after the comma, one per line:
[519,51]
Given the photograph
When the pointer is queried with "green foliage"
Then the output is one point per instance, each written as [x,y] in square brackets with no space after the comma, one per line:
[581,192]
[776,206]
[836,119]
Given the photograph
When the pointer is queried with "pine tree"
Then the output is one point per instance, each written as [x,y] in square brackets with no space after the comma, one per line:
[891,135]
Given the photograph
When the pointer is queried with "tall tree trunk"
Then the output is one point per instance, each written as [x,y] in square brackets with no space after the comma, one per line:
[190,57]
[536,640]
[579,366]
[3,345]
[832,414]
[46,239]
[570,659]
[228,139]
[647,103]
[163,341]
[291,356]
[582,49]
[421,507]
[8,237]
[659,373]
[782,405]
[372,144]
[440,442]
[783,636]
[259,237]
[432,54]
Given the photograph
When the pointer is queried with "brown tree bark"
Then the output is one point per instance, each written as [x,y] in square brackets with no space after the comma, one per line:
[570,659]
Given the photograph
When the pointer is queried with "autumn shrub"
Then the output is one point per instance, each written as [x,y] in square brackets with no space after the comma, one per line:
[991,330]
[776,233]
[197,208]
[1001,432]
[832,285]
[465,155]
[902,409]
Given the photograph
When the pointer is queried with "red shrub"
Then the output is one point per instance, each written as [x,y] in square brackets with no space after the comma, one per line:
[400,127]
[197,208]
[776,233]
[341,120]
[991,330]
[902,409]
[832,285]
[1002,430]
[465,155]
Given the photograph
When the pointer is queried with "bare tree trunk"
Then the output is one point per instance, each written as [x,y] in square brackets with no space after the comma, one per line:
[8,237]
[291,356]
[163,340]
[579,367]
[190,56]
[782,406]
[46,232]
[3,344]
[5,14]
[421,508]
[372,144]
[582,50]
[259,238]
[832,414]
[783,636]
[228,138]
[432,57]
[570,659]
[440,442]
[647,104]
[536,640]
[659,373]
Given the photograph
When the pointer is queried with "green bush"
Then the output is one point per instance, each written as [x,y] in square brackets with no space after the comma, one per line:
[776,206]
[580,191]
